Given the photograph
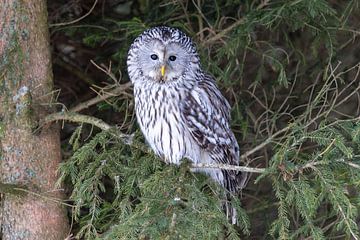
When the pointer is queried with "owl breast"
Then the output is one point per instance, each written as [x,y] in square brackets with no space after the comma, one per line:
[158,114]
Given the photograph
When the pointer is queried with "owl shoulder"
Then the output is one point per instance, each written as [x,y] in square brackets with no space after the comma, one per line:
[207,90]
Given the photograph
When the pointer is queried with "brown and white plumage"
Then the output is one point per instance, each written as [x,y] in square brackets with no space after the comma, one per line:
[179,108]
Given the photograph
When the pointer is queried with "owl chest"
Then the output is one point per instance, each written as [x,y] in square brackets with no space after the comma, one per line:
[158,114]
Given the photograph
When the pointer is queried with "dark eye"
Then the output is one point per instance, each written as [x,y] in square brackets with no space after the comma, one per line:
[154,56]
[172,58]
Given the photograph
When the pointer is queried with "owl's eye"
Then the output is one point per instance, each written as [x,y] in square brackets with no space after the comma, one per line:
[172,58]
[154,56]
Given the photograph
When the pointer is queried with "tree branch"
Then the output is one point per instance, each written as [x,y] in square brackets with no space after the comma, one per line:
[263,144]
[76,117]
[14,189]
[223,32]
[80,118]
[112,93]
[22,191]
[128,139]
[76,20]
[228,167]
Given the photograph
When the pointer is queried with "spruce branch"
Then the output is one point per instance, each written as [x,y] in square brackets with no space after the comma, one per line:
[342,160]
[75,117]
[80,118]
[227,30]
[350,223]
[223,33]
[334,104]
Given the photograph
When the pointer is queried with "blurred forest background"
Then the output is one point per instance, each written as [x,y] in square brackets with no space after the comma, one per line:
[290,70]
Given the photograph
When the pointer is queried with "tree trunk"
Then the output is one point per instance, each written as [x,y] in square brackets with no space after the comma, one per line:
[29,156]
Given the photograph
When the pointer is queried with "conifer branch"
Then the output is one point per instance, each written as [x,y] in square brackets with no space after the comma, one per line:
[227,30]
[80,118]
[223,33]
[313,164]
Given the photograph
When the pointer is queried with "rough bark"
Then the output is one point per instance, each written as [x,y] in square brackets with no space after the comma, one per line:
[29,157]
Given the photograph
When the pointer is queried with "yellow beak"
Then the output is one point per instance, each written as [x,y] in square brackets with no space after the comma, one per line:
[162,71]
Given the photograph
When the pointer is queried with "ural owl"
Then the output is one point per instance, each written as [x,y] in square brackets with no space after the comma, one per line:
[179,108]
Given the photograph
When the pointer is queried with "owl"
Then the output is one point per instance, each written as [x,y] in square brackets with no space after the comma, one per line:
[179,108]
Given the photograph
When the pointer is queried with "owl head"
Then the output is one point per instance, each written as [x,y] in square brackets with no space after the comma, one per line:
[162,54]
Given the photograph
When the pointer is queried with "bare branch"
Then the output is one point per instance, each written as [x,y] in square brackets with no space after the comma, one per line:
[75,117]
[102,97]
[228,167]
[263,144]
[76,20]
[80,118]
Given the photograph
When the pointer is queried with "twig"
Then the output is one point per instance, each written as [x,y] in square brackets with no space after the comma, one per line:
[22,191]
[104,93]
[14,189]
[231,27]
[228,167]
[271,138]
[266,142]
[80,118]
[75,117]
[351,164]
[112,93]
[313,164]
[76,20]
[173,222]
[223,32]
[106,70]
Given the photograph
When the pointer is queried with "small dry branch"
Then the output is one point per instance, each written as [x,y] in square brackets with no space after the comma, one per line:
[229,167]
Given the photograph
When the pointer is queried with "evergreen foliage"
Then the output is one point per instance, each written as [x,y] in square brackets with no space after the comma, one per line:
[137,195]
[278,64]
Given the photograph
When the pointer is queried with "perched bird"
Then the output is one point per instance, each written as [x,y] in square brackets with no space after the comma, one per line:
[179,108]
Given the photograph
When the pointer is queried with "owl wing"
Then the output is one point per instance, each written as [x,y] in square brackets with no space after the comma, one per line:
[207,115]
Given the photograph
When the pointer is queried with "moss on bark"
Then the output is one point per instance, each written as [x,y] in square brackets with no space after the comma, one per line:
[27,159]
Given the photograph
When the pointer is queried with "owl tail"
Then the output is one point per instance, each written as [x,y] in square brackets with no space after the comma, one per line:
[231,212]
[237,181]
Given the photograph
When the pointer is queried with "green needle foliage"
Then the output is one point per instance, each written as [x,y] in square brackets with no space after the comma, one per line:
[304,183]
[126,194]
[290,71]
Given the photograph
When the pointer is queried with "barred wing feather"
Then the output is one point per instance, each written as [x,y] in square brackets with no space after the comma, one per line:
[207,114]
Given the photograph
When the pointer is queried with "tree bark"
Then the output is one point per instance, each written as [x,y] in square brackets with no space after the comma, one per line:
[29,157]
